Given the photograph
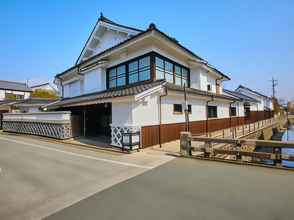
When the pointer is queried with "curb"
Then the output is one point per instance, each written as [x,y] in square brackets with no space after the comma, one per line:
[55,141]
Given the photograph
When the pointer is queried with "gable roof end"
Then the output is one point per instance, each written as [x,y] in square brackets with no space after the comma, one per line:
[253,91]
[239,95]
[100,20]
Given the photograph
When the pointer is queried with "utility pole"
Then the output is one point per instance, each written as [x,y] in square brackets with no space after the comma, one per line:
[274,84]
[186,110]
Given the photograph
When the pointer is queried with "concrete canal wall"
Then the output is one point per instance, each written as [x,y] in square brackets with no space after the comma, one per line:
[268,132]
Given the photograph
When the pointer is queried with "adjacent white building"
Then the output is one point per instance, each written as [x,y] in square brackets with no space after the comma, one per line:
[128,80]
[264,102]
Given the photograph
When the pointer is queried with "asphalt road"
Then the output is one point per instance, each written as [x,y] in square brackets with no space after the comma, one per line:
[38,178]
[192,189]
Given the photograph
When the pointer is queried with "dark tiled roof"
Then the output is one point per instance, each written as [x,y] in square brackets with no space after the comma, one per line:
[240,96]
[30,101]
[257,93]
[104,19]
[106,94]
[199,92]
[34,101]
[38,85]
[15,86]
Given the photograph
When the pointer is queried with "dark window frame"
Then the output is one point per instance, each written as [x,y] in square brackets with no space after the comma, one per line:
[152,68]
[189,108]
[212,111]
[118,76]
[247,111]
[174,64]
[177,111]
[233,111]
[126,64]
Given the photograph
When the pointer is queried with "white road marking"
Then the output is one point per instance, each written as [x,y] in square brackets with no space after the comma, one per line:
[80,155]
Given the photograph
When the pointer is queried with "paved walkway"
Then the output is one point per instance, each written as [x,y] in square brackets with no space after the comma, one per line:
[38,178]
[192,189]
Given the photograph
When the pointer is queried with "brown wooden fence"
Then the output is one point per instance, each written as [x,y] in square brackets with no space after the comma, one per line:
[171,132]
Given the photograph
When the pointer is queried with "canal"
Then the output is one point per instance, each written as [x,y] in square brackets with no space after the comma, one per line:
[288,136]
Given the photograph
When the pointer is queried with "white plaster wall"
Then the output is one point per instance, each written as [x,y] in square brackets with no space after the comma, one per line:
[2,94]
[109,39]
[27,95]
[66,91]
[240,108]
[121,113]
[40,116]
[195,78]
[223,109]
[146,111]
[168,116]
[94,80]
[72,89]
[129,55]
[254,106]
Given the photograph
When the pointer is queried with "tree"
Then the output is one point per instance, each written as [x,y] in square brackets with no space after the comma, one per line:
[43,93]
[278,108]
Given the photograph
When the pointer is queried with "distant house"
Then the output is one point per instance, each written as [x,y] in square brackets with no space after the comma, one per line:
[44,86]
[247,104]
[265,103]
[16,97]
[14,90]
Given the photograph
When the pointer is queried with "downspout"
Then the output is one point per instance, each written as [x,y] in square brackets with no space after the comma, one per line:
[212,99]
[62,89]
[238,113]
[231,115]
[160,116]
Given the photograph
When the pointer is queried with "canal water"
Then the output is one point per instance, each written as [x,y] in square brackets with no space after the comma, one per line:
[288,136]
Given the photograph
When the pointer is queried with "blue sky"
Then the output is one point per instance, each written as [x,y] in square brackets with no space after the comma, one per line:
[251,41]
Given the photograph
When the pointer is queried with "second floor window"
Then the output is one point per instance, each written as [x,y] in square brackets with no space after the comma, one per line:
[171,72]
[117,76]
[131,72]
[139,69]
